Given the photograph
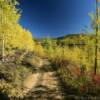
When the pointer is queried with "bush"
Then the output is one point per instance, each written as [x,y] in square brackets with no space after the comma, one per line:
[11,80]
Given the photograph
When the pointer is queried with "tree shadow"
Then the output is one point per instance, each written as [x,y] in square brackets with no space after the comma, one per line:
[3,96]
[42,92]
[42,69]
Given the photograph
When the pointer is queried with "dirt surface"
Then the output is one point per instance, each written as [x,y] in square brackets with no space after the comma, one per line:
[31,80]
[45,85]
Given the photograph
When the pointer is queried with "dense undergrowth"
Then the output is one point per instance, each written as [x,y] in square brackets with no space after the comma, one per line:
[75,66]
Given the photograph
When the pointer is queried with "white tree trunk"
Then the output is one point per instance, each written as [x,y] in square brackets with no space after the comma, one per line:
[3,49]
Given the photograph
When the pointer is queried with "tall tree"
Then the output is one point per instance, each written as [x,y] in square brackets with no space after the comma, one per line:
[12,33]
[8,17]
[96,40]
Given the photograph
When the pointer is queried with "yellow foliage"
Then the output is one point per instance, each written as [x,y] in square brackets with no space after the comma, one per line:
[98,21]
[39,50]
[76,55]
[14,35]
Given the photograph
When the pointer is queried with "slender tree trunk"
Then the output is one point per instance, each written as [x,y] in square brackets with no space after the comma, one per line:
[96,41]
[3,41]
[3,49]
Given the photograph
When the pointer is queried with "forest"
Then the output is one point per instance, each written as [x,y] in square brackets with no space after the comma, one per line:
[72,59]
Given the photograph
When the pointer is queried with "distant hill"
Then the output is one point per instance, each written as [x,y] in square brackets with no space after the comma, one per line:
[69,39]
[68,36]
[75,39]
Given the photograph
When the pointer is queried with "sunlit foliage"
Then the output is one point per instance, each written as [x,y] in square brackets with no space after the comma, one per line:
[13,34]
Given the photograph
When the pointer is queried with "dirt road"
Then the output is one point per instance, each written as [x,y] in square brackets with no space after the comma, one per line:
[47,86]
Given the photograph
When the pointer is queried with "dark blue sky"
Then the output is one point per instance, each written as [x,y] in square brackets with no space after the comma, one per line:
[55,17]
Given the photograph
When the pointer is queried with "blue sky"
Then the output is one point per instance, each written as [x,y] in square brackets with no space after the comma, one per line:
[55,17]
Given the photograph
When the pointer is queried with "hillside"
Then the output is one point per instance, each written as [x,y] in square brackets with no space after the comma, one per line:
[67,40]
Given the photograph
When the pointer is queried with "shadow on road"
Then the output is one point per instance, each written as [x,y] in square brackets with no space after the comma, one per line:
[44,91]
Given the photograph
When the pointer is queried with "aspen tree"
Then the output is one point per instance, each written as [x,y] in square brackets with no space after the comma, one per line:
[96,38]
